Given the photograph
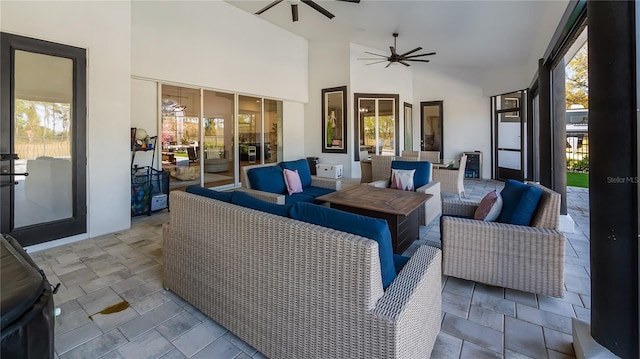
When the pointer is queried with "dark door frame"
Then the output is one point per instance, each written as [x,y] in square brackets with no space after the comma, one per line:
[440,105]
[77,223]
[522,110]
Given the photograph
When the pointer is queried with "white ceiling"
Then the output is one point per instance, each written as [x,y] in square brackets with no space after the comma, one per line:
[463,33]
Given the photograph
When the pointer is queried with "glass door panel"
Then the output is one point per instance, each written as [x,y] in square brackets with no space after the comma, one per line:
[272,131]
[42,128]
[217,157]
[386,127]
[250,145]
[509,131]
[367,125]
[181,135]
[431,126]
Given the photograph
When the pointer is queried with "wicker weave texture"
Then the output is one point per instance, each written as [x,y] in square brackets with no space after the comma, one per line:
[296,290]
[526,258]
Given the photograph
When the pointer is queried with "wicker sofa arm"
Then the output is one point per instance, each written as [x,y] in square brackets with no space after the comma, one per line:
[330,183]
[457,207]
[412,302]
[525,258]
[265,196]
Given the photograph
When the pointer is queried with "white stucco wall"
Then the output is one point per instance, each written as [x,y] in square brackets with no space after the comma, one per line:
[395,79]
[104,29]
[215,45]
[328,67]
[466,110]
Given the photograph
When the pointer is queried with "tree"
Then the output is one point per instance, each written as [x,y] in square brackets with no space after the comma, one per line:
[577,82]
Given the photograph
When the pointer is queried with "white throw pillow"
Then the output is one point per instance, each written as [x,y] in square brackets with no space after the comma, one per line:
[402,179]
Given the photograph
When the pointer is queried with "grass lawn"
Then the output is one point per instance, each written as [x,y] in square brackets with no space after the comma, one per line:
[577,179]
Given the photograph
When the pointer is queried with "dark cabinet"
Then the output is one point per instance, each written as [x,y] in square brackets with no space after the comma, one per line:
[473,168]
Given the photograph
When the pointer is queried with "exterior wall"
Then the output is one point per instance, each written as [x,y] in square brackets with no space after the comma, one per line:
[261,60]
[466,110]
[215,45]
[395,79]
[329,67]
[104,29]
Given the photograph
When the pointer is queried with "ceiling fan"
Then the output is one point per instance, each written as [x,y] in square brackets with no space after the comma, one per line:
[294,7]
[401,58]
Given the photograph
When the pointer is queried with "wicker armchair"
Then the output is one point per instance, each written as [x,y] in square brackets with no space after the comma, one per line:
[381,174]
[431,156]
[452,180]
[526,258]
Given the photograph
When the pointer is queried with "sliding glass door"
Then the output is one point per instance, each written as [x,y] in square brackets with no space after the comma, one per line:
[207,136]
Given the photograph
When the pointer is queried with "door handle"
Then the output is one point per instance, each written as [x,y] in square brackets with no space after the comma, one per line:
[8,156]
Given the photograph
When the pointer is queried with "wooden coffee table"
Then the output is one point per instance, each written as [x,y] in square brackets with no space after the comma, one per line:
[399,208]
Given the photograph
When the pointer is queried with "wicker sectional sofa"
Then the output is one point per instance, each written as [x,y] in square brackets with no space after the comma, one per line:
[293,289]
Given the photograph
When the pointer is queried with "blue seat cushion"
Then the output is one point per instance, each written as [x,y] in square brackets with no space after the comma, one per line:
[423,170]
[316,191]
[519,202]
[303,170]
[205,192]
[246,200]
[267,179]
[298,197]
[369,227]
[399,262]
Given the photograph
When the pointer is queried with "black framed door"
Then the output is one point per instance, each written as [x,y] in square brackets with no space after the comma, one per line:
[431,126]
[42,139]
[509,134]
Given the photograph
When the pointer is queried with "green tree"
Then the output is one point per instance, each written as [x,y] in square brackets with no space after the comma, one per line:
[577,82]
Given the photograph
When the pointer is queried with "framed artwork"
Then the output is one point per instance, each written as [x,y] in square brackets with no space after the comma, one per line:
[334,124]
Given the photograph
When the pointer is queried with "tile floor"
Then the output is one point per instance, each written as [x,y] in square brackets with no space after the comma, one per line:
[479,321]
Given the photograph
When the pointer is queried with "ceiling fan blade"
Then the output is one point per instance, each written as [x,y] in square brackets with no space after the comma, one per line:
[404,63]
[371,53]
[389,64]
[416,60]
[411,52]
[373,59]
[268,7]
[377,62]
[418,55]
[294,12]
[318,8]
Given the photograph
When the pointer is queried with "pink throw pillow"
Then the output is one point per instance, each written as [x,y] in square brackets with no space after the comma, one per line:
[292,180]
[489,208]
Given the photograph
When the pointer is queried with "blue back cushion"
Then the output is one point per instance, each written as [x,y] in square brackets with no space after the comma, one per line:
[519,203]
[267,179]
[205,192]
[303,170]
[423,170]
[246,200]
[374,228]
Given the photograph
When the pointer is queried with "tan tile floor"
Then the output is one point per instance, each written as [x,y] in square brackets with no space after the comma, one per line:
[479,321]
